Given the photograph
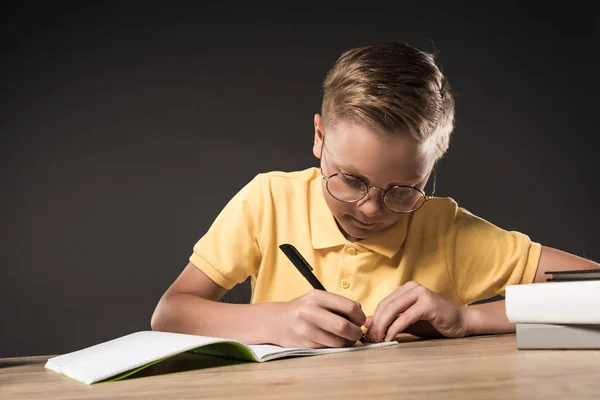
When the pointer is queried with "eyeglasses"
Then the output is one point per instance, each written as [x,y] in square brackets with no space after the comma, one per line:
[348,188]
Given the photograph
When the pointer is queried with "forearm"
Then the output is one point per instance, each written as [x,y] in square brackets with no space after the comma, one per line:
[491,317]
[487,318]
[187,313]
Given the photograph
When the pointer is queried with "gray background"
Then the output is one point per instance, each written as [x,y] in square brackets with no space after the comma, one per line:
[125,129]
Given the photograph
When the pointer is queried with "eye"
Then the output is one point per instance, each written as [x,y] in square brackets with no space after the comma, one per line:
[352,182]
[402,194]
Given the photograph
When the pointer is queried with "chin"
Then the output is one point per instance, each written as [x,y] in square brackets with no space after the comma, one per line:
[359,233]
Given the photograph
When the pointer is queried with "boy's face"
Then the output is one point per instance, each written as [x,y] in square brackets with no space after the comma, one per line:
[379,161]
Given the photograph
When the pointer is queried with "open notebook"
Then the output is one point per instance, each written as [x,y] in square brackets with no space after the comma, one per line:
[121,357]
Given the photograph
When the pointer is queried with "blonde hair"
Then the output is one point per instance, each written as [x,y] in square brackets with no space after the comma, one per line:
[393,88]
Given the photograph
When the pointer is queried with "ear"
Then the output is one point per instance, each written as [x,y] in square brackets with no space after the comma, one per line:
[318,143]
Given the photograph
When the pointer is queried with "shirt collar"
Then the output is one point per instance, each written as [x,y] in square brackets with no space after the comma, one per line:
[325,232]
[389,241]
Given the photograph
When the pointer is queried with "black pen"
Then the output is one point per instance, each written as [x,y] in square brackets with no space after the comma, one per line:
[305,269]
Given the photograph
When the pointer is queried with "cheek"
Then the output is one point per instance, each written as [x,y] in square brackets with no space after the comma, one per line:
[338,208]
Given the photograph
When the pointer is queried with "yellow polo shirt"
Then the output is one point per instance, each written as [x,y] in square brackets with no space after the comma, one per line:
[442,246]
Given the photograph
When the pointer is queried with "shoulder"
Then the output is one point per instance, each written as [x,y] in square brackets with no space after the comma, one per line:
[448,209]
[289,178]
[285,182]
[268,188]
[444,216]
[439,209]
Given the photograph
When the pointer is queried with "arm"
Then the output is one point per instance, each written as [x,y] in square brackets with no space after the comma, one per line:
[227,254]
[190,306]
[491,317]
[417,310]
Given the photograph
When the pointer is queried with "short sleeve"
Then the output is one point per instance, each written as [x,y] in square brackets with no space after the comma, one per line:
[483,259]
[229,251]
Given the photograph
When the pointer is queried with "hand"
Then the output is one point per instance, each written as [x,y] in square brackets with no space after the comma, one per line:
[318,319]
[414,309]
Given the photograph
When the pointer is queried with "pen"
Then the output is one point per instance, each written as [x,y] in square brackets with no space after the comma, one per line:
[305,269]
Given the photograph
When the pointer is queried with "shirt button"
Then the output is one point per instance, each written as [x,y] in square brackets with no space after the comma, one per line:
[352,251]
[345,283]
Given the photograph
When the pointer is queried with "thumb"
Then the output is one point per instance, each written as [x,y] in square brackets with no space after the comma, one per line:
[368,321]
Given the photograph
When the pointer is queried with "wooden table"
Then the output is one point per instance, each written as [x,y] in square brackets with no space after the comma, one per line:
[486,367]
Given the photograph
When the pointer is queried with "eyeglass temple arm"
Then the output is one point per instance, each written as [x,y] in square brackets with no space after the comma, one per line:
[433,189]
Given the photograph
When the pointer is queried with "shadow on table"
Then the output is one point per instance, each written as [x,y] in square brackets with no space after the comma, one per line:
[7,363]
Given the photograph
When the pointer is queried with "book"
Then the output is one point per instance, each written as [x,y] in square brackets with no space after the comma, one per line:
[555,336]
[576,275]
[576,302]
[121,357]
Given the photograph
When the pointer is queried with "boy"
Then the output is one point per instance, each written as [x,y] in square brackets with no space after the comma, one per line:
[381,246]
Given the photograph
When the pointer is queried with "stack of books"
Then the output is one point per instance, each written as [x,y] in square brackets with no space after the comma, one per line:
[562,313]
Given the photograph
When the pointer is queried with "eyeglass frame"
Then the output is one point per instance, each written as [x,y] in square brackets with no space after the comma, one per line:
[383,191]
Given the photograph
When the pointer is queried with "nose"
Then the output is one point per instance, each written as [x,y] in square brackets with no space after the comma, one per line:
[372,205]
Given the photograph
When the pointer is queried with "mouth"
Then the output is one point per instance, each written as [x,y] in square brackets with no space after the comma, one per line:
[361,224]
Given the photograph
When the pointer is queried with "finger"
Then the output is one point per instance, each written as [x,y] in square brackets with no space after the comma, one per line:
[316,316]
[308,344]
[337,325]
[341,305]
[422,329]
[368,321]
[397,305]
[324,338]
[408,286]
[407,318]
[310,333]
